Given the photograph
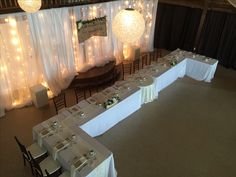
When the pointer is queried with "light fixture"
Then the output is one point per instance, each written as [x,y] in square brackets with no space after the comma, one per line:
[30,6]
[128,25]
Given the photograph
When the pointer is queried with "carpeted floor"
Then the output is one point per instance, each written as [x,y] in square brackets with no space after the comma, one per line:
[188,132]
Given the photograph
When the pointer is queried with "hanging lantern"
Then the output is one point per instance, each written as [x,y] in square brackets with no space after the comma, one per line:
[128,25]
[30,6]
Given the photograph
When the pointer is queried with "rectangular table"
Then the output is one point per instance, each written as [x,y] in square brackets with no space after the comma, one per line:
[201,70]
[169,76]
[110,117]
[74,142]
[85,120]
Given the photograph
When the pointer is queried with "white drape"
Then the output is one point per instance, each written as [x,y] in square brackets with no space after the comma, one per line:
[98,50]
[52,41]
[18,68]
[43,47]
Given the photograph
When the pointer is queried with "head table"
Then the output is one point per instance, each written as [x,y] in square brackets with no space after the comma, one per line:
[68,136]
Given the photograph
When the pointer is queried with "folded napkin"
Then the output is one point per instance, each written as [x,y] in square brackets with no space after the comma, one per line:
[58,147]
[78,165]
[43,133]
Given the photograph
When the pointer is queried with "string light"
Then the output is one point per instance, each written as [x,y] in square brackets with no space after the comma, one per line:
[15,41]
[19,49]
[18,58]
[12,22]
[91,50]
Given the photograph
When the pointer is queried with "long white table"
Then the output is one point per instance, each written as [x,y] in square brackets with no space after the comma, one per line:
[89,118]
[110,117]
[200,70]
[169,76]
[69,144]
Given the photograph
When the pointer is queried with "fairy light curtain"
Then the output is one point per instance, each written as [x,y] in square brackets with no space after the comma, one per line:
[98,50]
[52,40]
[43,47]
[18,67]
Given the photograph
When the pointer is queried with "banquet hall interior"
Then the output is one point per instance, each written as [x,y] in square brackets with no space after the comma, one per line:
[112,88]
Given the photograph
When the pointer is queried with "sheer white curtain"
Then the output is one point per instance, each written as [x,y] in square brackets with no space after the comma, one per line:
[98,50]
[18,67]
[43,47]
[149,14]
[51,33]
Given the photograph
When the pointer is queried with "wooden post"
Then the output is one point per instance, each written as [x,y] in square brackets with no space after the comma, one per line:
[202,20]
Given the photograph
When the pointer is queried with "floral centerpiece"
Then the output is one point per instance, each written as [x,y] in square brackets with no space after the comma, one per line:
[111,102]
[173,62]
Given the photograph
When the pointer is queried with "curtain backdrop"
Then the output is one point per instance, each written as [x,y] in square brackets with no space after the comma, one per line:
[176,27]
[218,38]
[43,48]
[96,51]
[18,67]
[52,41]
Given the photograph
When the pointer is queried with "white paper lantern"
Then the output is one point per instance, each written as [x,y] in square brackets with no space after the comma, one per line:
[30,6]
[128,25]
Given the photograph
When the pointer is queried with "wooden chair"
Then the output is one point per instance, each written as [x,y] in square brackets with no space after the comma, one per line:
[38,154]
[154,55]
[111,77]
[52,167]
[59,101]
[126,68]
[64,174]
[136,64]
[144,59]
[80,94]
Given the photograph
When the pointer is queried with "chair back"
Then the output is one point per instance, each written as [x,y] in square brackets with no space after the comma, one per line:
[144,58]
[36,168]
[136,65]
[154,55]
[48,175]
[80,94]
[59,101]
[126,68]
[23,149]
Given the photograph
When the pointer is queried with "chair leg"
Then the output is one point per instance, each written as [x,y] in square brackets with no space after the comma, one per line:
[24,160]
[123,72]
[32,170]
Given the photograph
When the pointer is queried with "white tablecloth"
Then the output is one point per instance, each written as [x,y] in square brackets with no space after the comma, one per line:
[80,144]
[146,84]
[97,120]
[148,93]
[201,70]
[169,76]
[110,117]
[197,68]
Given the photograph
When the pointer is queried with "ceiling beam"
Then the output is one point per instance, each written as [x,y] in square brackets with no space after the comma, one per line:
[217,5]
[202,20]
